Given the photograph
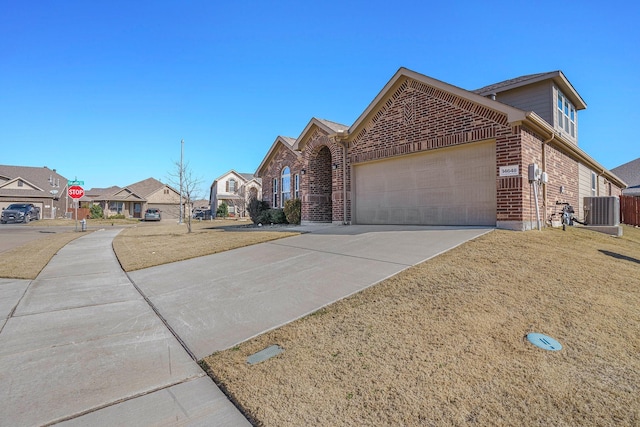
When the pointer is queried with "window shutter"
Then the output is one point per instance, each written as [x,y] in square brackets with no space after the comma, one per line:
[227,186]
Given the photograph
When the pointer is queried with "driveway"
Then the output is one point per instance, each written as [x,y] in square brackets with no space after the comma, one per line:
[217,301]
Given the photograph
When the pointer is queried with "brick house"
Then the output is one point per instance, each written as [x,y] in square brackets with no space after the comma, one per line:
[426,152]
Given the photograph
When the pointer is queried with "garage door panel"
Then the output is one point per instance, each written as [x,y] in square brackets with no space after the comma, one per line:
[453,186]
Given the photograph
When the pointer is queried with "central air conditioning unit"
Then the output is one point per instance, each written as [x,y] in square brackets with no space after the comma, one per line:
[602,211]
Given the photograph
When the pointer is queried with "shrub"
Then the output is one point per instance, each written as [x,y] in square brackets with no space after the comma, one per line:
[273,216]
[96,211]
[293,211]
[223,210]
[256,208]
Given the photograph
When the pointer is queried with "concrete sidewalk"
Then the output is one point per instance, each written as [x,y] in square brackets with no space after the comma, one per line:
[80,345]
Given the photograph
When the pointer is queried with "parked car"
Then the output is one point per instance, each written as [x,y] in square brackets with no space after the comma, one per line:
[20,212]
[202,214]
[152,214]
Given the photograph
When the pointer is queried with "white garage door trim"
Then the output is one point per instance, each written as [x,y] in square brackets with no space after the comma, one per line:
[450,186]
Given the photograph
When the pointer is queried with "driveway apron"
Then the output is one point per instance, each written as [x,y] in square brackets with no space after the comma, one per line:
[79,345]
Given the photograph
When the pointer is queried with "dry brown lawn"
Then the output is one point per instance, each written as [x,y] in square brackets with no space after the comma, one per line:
[443,343]
[152,244]
[26,261]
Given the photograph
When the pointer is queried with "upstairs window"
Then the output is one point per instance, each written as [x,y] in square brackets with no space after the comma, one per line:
[231,186]
[566,115]
[285,184]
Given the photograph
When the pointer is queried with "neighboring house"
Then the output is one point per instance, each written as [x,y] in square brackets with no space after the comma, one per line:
[235,189]
[132,200]
[426,152]
[43,187]
[630,173]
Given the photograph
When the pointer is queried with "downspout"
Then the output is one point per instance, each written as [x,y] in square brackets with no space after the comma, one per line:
[340,139]
[544,169]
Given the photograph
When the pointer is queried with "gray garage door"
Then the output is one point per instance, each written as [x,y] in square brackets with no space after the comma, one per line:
[452,186]
[167,211]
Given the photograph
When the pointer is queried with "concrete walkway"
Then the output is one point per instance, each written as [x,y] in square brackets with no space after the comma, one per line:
[82,346]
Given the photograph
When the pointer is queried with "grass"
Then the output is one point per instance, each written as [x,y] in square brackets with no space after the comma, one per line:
[155,244]
[26,261]
[139,245]
[443,343]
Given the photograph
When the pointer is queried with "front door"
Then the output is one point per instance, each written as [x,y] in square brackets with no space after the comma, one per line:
[137,210]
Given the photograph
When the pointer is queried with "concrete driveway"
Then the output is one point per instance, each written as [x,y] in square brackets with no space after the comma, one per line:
[217,301]
[86,344]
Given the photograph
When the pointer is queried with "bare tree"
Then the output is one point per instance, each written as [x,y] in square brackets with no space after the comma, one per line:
[182,177]
[239,203]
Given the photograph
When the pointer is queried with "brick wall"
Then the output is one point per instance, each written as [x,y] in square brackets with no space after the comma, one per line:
[320,184]
[563,175]
[281,158]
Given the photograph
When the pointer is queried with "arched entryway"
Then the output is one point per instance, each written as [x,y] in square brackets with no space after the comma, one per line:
[320,207]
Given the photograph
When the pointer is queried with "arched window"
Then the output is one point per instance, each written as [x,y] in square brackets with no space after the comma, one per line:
[285,185]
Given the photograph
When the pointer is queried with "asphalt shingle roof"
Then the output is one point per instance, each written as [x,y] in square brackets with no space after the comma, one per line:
[630,173]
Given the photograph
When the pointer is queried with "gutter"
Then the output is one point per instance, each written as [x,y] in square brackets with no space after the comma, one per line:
[540,125]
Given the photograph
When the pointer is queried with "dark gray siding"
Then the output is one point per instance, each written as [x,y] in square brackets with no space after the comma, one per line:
[537,97]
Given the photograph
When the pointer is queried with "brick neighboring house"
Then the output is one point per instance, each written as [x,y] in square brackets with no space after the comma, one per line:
[630,173]
[43,187]
[132,200]
[427,152]
[235,189]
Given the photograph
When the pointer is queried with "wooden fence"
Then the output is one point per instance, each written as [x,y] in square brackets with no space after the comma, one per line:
[83,213]
[630,210]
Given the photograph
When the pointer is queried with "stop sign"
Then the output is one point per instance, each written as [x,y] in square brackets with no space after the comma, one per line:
[75,192]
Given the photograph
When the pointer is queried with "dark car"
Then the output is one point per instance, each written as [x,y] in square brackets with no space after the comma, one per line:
[20,212]
[152,214]
[202,214]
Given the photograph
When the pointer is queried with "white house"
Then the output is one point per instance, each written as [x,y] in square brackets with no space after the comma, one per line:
[235,189]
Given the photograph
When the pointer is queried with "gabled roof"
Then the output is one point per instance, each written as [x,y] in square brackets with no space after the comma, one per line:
[513,114]
[145,187]
[40,181]
[286,142]
[630,173]
[244,176]
[326,126]
[557,76]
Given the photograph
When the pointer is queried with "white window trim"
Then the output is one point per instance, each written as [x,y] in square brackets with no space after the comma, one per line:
[285,195]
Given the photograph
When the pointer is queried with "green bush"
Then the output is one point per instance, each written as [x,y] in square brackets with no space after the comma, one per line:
[273,216]
[293,211]
[96,211]
[223,210]
[256,208]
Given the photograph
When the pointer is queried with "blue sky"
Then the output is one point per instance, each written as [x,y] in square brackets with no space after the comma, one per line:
[105,91]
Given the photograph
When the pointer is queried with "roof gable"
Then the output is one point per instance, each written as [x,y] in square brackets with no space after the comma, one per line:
[401,80]
[284,141]
[39,180]
[145,187]
[326,127]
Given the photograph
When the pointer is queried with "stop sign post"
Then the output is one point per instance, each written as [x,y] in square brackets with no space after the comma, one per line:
[76,192]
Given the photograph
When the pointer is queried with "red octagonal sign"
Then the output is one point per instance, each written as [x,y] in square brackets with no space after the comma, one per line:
[75,192]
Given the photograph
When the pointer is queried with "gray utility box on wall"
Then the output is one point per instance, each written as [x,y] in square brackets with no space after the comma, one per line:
[602,210]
